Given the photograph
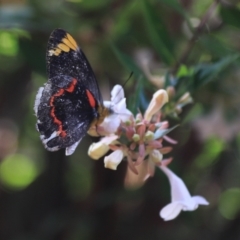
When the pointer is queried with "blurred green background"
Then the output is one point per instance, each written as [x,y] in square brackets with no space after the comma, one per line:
[49,196]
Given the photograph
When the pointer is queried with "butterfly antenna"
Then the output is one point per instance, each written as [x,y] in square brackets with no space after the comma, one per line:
[124,84]
[127,79]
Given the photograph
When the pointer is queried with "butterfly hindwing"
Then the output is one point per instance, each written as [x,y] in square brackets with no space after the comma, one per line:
[64,113]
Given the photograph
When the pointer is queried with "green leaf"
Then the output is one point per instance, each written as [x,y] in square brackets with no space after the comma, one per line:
[200,75]
[230,16]
[162,132]
[183,71]
[158,33]
[205,73]
[215,45]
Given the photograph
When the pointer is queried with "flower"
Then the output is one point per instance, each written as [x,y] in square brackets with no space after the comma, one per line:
[138,139]
[119,110]
[112,160]
[181,198]
[97,150]
[159,99]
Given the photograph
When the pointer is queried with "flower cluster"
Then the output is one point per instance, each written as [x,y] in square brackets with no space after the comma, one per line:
[140,140]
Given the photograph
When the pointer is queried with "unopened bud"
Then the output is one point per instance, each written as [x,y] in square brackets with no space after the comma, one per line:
[136,137]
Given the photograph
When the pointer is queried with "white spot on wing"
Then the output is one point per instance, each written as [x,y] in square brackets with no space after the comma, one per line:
[37,99]
[45,141]
[53,135]
[70,150]
[53,149]
[50,52]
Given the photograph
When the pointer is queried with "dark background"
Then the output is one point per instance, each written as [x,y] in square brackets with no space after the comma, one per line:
[50,196]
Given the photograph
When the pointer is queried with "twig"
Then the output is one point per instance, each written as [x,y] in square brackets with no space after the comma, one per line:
[195,36]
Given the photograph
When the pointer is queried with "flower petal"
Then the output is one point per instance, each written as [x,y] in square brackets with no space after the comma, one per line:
[179,191]
[110,124]
[119,109]
[200,200]
[171,211]
[133,180]
[97,150]
[117,94]
[155,156]
[109,139]
[162,132]
[159,99]
[111,161]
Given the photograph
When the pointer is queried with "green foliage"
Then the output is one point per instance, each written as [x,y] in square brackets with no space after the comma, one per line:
[192,79]
[158,33]
[77,198]
[204,73]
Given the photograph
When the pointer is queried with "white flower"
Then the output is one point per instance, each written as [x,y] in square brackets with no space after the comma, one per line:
[111,161]
[159,99]
[155,156]
[135,137]
[181,198]
[97,150]
[119,108]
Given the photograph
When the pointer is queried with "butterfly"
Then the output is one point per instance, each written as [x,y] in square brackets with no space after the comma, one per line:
[70,101]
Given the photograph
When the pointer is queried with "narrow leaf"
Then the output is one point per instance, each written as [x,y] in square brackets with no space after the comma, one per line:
[205,73]
[162,132]
[158,33]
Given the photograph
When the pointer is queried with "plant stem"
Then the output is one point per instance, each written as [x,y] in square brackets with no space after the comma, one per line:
[183,58]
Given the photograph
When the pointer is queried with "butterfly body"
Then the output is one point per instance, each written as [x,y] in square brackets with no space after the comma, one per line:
[70,102]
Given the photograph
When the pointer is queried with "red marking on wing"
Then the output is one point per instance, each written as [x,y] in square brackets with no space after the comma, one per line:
[72,85]
[70,89]
[91,99]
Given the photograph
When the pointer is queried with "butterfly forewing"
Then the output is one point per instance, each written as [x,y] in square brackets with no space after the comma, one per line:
[64,57]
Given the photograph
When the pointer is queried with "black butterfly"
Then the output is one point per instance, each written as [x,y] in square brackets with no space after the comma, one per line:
[70,102]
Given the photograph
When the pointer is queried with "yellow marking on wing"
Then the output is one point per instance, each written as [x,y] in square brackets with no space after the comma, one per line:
[71,39]
[55,52]
[69,44]
[63,47]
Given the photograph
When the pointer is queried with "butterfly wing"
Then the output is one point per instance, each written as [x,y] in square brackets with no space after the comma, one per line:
[64,113]
[64,57]
[68,103]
